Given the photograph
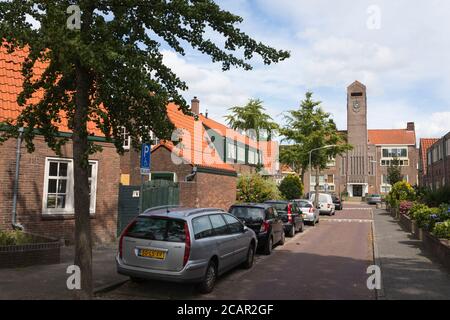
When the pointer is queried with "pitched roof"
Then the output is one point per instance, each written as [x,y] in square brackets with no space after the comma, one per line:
[11,81]
[392,136]
[425,144]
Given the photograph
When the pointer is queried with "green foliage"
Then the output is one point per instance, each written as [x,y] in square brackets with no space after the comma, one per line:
[252,119]
[402,190]
[307,128]
[417,206]
[394,173]
[425,218]
[291,187]
[13,238]
[442,230]
[437,197]
[255,188]
[113,66]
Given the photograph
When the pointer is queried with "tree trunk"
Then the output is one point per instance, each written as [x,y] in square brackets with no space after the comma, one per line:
[83,241]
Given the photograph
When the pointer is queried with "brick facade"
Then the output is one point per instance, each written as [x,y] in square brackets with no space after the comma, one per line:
[208,189]
[438,171]
[31,185]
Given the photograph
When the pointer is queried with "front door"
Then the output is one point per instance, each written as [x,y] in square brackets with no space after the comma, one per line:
[357,190]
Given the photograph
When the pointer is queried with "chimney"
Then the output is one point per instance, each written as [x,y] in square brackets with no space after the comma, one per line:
[195,106]
[410,126]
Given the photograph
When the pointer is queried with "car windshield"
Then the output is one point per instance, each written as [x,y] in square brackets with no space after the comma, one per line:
[154,228]
[250,213]
[322,198]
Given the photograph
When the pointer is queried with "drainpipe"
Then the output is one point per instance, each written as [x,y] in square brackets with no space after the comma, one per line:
[16,225]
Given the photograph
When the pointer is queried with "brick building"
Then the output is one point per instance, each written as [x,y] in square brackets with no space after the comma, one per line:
[363,170]
[45,186]
[424,145]
[437,174]
[207,159]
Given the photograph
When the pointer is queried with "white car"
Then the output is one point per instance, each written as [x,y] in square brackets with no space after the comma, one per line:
[310,214]
[325,205]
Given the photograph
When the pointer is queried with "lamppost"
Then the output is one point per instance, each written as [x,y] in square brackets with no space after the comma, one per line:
[310,169]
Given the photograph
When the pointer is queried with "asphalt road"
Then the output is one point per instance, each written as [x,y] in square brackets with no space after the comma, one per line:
[328,261]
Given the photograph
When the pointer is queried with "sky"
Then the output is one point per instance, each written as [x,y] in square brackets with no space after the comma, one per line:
[399,49]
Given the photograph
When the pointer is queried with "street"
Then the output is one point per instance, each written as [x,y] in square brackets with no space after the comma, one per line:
[328,261]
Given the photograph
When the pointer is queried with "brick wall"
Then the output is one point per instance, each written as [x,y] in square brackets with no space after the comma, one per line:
[31,184]
[130,165]
[207,189]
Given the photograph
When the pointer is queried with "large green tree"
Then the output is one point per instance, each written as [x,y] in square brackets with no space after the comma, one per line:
[394,172]
[111,72]
[310,127]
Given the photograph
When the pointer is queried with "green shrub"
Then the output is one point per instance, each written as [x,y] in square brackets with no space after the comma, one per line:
[437,197]
[254,188]
[427,217]
[416,207]
[12,238]
[402,190]
[291,187]
[442,230]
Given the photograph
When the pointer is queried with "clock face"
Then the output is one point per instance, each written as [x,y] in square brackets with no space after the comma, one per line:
[356,106]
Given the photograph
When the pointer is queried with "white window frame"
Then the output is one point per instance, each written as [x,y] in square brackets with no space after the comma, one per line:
[70,198]
[252,157]
[241,155]
[231,148]
[394,147]
[127,142]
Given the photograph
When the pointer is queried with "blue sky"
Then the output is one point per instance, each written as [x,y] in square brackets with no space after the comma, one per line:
[403,61]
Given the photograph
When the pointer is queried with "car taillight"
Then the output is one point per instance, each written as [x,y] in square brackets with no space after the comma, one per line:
[187,245]
[289,210]
[124,233]
[264,227]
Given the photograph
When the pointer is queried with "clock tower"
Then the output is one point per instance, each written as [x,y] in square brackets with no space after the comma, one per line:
[357,114]
[357,158]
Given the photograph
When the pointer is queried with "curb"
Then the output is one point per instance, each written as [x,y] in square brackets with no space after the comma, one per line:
[379,293]
[110,286]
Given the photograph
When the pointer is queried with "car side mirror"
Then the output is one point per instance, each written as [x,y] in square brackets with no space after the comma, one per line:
[244,229]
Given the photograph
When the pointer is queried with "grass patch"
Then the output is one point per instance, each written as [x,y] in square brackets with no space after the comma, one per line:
[15,238]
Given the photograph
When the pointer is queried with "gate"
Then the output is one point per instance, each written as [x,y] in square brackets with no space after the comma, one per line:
[134,199]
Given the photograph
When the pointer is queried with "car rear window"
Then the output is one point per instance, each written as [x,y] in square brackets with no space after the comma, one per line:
[160,229]
[279,206]
[248,213]
[304,204]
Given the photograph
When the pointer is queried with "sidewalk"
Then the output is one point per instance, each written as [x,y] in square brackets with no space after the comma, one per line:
[49,282]
[407,271]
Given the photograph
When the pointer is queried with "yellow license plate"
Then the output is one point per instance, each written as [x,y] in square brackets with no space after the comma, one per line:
[156,254]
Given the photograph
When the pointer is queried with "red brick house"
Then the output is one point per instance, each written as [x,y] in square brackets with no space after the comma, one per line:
[438,164]
[45,186]
[424,145]
[208,157]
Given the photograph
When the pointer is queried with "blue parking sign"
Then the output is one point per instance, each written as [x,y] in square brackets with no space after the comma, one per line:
[145,158]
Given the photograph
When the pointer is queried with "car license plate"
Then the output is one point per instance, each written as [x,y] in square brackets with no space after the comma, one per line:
[155,254]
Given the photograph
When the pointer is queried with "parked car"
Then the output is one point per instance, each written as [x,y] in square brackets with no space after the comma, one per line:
[264,220]
[310,214]
[338,203]
[185,245]
[291,215]
[373,198]
[325,204]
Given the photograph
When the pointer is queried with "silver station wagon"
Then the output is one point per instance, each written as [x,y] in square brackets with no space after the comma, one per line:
[185,245]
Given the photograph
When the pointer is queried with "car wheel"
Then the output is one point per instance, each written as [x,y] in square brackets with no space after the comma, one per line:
[250,257]
[292,231]
[313,223]
[209,280]
[268,246]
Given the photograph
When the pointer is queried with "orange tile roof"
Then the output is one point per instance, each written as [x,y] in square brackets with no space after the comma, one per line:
[425,144]
[11,81]
[392,136]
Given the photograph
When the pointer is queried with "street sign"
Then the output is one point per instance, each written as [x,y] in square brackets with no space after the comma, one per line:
[145,158]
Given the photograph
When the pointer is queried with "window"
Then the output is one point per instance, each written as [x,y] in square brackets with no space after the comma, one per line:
[219,225]
[394,152]
[231,150]
[58,197]
[202,227]
[126,138]
[402,163]
[234,224]
[252,157]
[448,147]
[160,229]
[430,158]
[241,153]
